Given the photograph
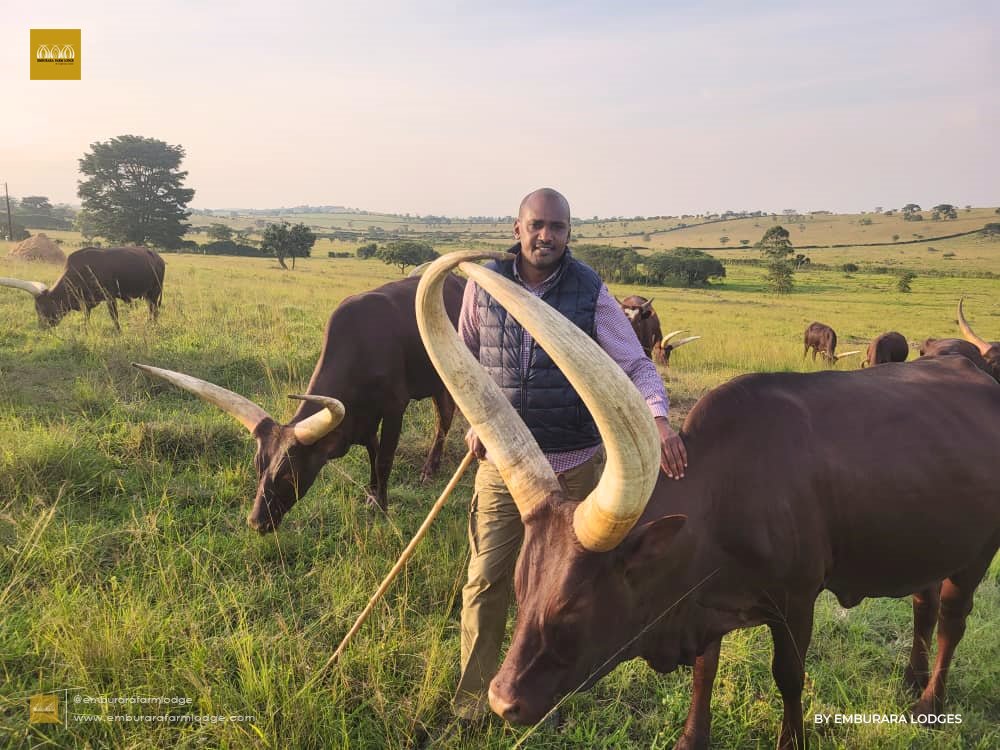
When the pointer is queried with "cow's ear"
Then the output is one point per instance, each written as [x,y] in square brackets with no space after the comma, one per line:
[651,542]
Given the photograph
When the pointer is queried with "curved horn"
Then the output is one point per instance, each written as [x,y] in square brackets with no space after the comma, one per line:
[518,458]
[419,270]
[632,443]
[246,411]
[315,427]
[968,333]
[673,333]
[846,354]
[683,341]
[34,288]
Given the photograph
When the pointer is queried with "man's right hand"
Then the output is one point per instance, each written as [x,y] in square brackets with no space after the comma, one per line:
[475,444]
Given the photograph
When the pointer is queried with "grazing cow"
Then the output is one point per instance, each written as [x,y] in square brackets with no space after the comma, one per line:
[887,347]
[787,493]
[372,365]
[983,354]
[92,276]
[823,340]
[989,350]
[646,324]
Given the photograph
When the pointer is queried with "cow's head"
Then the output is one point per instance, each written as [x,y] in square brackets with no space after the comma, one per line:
[289,457]
[50,312]
[663,349]
[636,309]
[988,350]
[575,585]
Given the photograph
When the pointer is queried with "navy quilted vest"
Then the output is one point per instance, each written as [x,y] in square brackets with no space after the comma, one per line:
[543,397]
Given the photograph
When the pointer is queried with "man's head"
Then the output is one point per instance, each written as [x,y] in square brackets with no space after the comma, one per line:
[543,228]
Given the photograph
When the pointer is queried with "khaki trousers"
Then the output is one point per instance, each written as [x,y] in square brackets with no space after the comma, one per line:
[495,535]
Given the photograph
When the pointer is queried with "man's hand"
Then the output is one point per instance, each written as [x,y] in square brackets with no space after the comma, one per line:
[475,445]
[673,455]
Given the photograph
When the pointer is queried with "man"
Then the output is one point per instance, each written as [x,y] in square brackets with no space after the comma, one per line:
[557,418]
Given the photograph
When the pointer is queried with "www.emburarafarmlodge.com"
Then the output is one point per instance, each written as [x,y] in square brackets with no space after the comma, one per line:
[926,719]
[45,709]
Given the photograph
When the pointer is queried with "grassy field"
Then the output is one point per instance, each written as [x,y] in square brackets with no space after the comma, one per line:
[127,569]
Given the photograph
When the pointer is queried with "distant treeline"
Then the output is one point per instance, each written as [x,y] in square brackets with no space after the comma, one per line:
[680,267]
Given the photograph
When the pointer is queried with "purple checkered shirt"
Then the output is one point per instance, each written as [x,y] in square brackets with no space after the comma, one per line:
[613,332]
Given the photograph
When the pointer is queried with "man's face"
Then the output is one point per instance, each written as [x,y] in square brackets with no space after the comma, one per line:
[543,230]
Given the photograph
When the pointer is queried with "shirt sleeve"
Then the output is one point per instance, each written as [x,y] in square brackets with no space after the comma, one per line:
[616,336]
[468,319]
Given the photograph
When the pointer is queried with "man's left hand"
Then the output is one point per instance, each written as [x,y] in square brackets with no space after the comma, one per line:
[673,455]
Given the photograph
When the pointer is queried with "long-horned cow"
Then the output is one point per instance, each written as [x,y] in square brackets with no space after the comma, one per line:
[93,275]
[887,347]
[646,324]
[823,340]
[371,366]
[787,493]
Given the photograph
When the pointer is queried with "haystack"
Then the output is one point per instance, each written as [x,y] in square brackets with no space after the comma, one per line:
[40,248]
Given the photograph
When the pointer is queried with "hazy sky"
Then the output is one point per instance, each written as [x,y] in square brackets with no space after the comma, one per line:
[460,108]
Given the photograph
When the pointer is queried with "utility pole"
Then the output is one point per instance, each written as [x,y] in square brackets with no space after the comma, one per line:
[10,223]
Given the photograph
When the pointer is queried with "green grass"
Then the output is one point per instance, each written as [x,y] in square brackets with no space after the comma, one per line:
[127,569]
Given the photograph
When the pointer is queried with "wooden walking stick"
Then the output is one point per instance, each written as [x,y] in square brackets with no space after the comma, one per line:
[407,553]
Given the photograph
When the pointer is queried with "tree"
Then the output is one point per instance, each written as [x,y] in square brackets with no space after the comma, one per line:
[405,253]
[723,240]
[690,266]
[849,268]
[133,190]
[944,211]
[367,251]
[84,223]
[286,241]
[776,247]
[903,282]
[992,229]
[37,203]
[219,232]
[911,212]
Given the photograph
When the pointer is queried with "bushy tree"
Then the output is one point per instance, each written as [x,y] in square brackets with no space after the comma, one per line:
[133,190]
[903,282]
[286,241]
[611,263]
[992,229]
[36,203]
[911,212]
[405,253]
[689,266]
[367,251]
[944,211]
[776,247]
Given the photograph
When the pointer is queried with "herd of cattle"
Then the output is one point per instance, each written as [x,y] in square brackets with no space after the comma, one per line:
[787,492]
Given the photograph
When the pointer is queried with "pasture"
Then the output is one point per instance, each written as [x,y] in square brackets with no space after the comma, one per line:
[127,569]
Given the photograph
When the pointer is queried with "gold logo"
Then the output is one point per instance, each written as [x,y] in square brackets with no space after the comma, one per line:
[55,54]
[43,709]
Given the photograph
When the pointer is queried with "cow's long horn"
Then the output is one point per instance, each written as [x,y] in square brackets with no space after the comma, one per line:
[632,443]
[687,340]
[846,354]
[968,333]
[517,456]
[34,288]
[672,334]
[315,427]
[246,411]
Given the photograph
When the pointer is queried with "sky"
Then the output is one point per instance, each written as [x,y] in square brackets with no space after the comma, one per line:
[461,108]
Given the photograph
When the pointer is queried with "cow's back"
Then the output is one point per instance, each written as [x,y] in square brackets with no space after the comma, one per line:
[869,482]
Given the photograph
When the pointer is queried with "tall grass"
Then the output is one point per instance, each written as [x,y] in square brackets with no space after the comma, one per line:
[126,567]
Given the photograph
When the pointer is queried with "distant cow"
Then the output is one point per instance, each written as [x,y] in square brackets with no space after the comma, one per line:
[787,494]
[646,324]
[92,276]
[887,347]
[823,340]
[372,365]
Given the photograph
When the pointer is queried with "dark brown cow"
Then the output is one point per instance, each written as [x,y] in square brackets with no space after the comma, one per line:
[823,340]
[92,276]
[787,493]
[646,324]
[372,365]
[983,354]
[887,347]
[989,350]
